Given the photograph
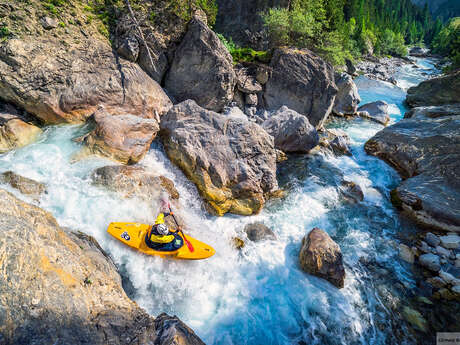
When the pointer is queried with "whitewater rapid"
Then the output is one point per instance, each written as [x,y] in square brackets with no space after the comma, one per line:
[257,295]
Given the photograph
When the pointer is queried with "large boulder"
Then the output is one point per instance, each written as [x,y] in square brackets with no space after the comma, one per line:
[232,162]
[124,138]
[60,287]
[303,82]
[322,257]
[202,69]
[425,151]
[16,131]
[335,141]
[59,82]
[347,99]
[162,30]
[376,111]
[292,132]
[436,91]
[23,184]
[134,181]
[257,232]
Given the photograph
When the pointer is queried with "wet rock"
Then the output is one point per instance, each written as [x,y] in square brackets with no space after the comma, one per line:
[352,191]
[430,261]
[262,74]
[450,241]
[336,141]
[292,132]
[134,181]
[415,319]
[424,247]
[68,291]
[418,51]
[436,91]
[238,243]
[375,111]
[124,138]
[433,112]
[437,282]
[23,184]
[15,130]
[406,253]
[232,162]
[321,256]
[129,48]
[202,69]
[449,278]
[258,231]
[425,153]
[442,252]
[347,99]
[173,331]
[49,23]
[78,78]
[280,156]
[303,82]
[432,239]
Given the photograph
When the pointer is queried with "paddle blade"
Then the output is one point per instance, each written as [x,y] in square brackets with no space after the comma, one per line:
[189,245]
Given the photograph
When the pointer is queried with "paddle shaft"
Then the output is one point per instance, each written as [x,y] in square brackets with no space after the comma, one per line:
[189,245]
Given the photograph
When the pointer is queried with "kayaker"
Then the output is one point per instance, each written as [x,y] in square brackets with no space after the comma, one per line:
[160,237]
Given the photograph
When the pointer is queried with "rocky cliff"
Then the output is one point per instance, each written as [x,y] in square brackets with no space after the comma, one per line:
[59,287]
[424,148]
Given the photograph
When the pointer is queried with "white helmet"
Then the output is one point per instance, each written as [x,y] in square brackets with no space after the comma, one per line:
[162,229]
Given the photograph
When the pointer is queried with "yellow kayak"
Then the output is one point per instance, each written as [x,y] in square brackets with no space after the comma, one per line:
[133,235]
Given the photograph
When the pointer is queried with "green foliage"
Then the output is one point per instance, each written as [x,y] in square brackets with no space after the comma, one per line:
[391,43]
[339,29]
[62,24]
[244,54]
[4,32]
[447,42]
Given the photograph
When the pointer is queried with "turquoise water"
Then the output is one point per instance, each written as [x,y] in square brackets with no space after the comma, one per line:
[257,295]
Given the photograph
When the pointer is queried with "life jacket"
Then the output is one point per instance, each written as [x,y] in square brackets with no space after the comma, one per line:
[156,237]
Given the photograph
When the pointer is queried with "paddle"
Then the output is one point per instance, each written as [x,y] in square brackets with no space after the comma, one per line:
[189,245]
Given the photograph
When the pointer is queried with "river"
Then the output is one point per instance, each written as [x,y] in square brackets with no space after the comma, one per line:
[257,295]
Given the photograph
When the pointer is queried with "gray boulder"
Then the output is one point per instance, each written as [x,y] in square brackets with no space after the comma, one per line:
[292,132]
[134,181]
[232,162]
[322,257]
[202,69]
[347,99]
[430,261]
[436,91]
[125,138]
[433,112]
[432,239]
[450,241]
[246,81]
[303,82]
[258,231]
[375,111]
[425,151]
[335,141]
[351,191]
